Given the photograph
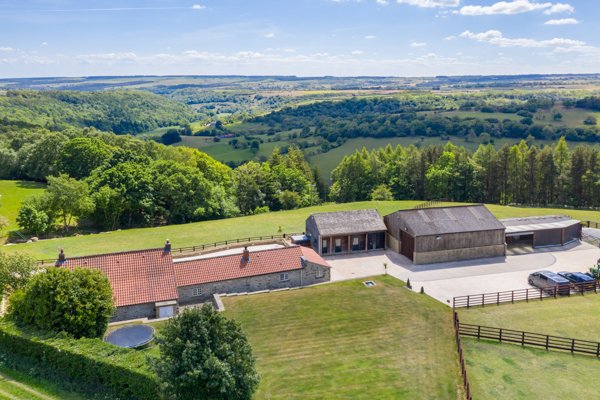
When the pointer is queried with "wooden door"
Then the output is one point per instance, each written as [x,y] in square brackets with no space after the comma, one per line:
[407,245]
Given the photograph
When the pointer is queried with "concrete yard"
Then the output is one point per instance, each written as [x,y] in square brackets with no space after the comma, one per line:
[446,280]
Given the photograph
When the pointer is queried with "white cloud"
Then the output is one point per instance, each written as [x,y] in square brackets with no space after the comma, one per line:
[44,43]
[562,21]
[370,37]
[382,2]
[357,52]
[198,7]
[515,7]
[269,35]
[430,3]
[418,44]
[560,8]
[6,49]
[496,38]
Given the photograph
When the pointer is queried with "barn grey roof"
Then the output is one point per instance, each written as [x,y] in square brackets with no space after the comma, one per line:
[443,220]
[348,222]
[530,224]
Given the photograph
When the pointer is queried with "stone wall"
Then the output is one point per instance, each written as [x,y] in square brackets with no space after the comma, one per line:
[146,310]
[296,278]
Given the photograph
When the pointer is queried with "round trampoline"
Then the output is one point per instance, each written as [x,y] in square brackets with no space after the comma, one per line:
[131,336]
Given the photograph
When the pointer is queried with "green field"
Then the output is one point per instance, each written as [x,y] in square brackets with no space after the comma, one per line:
[347,341]
[16,385]
[507,371]
[574,317]
[504,371]
[13,193]
[233,228]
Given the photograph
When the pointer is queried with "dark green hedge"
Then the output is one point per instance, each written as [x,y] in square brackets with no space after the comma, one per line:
[88,361]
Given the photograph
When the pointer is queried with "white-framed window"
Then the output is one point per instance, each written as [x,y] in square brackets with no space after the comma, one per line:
[197,291]
[319,273]
[284,277]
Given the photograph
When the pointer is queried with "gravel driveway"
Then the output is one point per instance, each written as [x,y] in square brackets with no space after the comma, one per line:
[445,280]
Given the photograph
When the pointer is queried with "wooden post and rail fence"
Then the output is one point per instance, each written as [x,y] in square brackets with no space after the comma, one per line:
[461,359]
[529,294]
[524,338]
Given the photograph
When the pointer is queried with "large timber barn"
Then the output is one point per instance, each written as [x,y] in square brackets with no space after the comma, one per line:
[440,234]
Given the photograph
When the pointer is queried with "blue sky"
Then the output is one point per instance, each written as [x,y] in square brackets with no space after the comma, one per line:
[298,37]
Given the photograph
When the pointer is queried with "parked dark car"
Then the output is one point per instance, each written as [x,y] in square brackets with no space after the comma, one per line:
[580,279]
[550,282]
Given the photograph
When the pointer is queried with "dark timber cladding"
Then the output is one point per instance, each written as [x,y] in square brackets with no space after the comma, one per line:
[552,230]
[440,234]
[346,231]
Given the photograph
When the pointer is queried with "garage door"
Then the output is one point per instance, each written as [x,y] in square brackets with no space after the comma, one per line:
[166,312]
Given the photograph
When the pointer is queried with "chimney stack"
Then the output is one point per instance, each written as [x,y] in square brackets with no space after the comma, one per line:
[246,255]
[168,246]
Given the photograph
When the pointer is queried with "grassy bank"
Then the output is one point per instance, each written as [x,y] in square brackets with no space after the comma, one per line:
[347,341]
[255,225]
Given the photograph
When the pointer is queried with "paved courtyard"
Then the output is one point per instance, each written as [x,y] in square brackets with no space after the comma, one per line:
[446,280]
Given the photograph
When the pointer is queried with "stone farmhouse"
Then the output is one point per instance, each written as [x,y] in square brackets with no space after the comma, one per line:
[152,284]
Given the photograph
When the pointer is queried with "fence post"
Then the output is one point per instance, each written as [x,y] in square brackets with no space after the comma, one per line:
[512,297]
[468,299]
[547,341]
[598,350]
[522,339]
[483,300]
[478,332]
[572,346]
[498,299]
[527,295]
[541,294]
[555,291]
[500,335]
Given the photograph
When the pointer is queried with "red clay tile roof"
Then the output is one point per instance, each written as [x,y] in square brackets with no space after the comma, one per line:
[136,277]
[232,267]
[311,256]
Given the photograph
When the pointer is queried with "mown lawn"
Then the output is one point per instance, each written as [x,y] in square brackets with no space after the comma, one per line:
[12,194]
[574,317]
[347,341]
[16,385]
[233,228]
[505,371]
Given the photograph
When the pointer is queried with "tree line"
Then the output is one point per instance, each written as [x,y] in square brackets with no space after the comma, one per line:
[421,116]
[518,174]
[104,181]
[120,112]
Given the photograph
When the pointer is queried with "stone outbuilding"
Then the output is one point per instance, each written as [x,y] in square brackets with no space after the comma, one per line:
[151,284]
[143,282]
[346,232]
[551,230]
[295,266]
[440,234]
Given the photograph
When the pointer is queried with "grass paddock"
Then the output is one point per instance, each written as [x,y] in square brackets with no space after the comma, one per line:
[347,341]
